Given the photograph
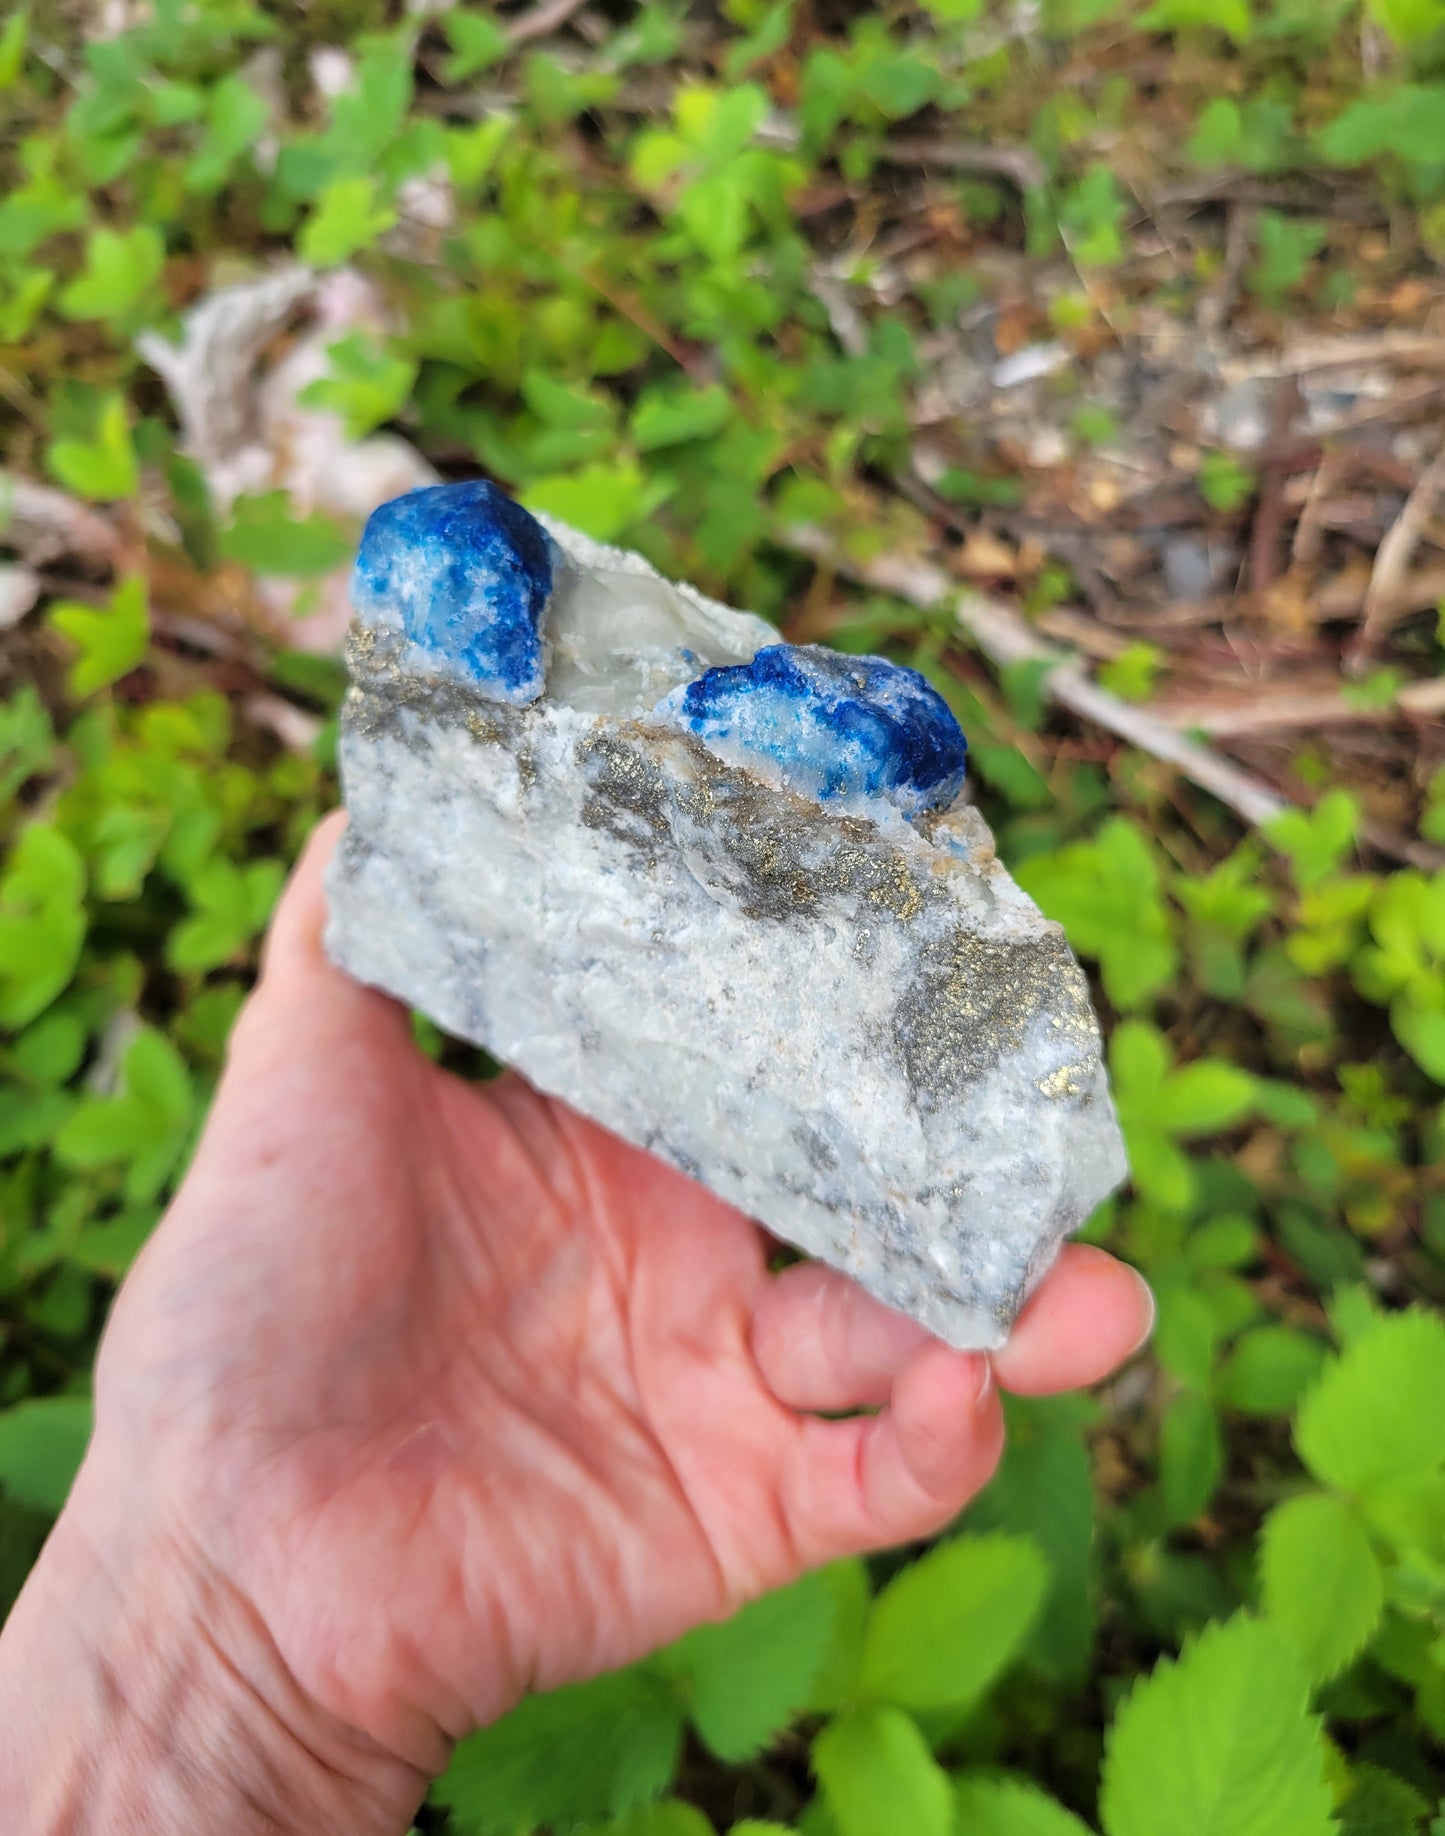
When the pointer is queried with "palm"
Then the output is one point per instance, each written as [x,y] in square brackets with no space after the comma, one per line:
[464,1395]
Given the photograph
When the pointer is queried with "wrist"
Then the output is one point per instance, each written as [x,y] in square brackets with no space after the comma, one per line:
[140,1693]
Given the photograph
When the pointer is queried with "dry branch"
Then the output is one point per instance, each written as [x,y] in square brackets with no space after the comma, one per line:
[1392,562]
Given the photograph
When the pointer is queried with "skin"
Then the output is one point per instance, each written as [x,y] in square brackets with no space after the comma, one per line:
[424,1395]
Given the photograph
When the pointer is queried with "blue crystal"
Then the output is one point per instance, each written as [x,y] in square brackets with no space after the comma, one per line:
[836,726]
[467,574]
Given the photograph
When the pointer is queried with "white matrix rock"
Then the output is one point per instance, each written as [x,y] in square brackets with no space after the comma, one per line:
[846,1020]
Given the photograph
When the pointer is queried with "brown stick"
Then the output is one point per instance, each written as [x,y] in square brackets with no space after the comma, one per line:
[547,16]
[1392,563]
[1304,708]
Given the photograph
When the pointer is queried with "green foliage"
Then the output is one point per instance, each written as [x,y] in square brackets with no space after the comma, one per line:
[1219,1743]
[103,466]
[992,1806]
[1225,483]
[1106,894]
[1320,1581]
[587,1751]
[689,289]
[940,1633]
[747,1678]
[41,1444]
[878,1776]
[1372,1417]
[110,643]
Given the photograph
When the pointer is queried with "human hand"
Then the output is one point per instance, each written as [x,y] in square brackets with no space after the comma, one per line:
[438,1393]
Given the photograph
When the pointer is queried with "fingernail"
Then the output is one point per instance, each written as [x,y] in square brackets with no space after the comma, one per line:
[1151,1309]
[985,1379]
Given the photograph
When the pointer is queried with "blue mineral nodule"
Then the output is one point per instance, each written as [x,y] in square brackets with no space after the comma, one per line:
[466,575]
[835,726]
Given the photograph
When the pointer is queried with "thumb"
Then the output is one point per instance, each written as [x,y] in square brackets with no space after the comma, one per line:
[300,990]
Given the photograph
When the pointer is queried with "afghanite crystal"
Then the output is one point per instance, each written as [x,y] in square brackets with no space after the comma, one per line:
[719,893]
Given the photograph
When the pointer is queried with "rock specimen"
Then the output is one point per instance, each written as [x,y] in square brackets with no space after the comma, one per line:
[719,893]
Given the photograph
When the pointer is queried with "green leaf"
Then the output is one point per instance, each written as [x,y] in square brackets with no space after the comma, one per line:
[1107,895]
[1219,1742]
[145,1129]
[602,500]
[50,1051]
[42,1443]
[231,906]
[1320,1582]
[1409,22]
[1231,16]
[851,1589]
[672,416]
[12,47]
[1375,1413]
[236,117]
[266,537]
[878,1776]
[42,923]
[1268,1370]
[673,1818]
[1204,1097]
[111,642]
[1044,1490]
[102,468]
[992,1804]
[120,269]
[751,1674]
[1318,840]
[944,1628]
[367,385]
[592,1750]
[347,219]
[1380,1804]
[1191,1456]
[27,739]
[1421,1030]
[478,41]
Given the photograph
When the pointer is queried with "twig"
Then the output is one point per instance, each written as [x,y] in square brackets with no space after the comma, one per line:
[1304,708]
[1392,562]
[1308,542]
[1339,353]
[1217,301]
[1021,166]
[1005,638]
[547,16]
[1268,528]
[42,524]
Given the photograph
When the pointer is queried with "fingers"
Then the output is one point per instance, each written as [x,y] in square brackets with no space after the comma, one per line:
[294,941]
[821,1342]
[299,986]
[900,1475]
[1089,1314]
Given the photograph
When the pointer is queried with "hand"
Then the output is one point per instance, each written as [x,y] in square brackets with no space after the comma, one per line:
[454,1395]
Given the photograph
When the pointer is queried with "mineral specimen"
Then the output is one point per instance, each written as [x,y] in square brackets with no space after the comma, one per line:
[720,894]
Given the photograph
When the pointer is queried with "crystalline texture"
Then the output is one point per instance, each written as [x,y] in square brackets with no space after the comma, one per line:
[465,575]
[850,728]
[721,895]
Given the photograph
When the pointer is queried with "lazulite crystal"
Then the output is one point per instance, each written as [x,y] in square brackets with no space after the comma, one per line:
[833,726]
[719,894]
[466,575]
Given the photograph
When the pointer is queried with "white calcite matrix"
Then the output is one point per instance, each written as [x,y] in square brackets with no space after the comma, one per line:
[834,1008]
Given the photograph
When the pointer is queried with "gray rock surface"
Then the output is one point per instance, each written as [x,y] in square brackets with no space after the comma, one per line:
[851,1024]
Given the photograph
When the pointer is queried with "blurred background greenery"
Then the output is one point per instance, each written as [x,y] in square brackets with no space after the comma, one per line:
[1088,355]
